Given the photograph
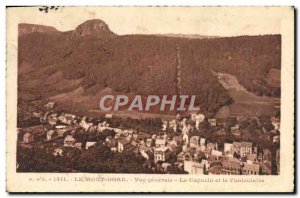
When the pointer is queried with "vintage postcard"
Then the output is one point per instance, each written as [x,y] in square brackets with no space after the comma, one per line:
[150,99]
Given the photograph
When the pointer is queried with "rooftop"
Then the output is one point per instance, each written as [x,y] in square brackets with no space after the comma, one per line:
[124,141]
[160,141]
[161,149]
[251,167]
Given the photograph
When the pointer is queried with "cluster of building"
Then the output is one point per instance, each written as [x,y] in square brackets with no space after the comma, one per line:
[190,153]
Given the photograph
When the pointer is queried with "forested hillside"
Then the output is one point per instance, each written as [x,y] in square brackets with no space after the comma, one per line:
[145,64]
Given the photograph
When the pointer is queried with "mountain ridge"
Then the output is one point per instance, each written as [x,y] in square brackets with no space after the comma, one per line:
[27,28]
[91,26]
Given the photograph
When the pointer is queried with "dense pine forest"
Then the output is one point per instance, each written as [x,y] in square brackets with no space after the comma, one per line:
[145,64]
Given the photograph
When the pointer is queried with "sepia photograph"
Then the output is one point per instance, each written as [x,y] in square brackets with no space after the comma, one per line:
[156,93]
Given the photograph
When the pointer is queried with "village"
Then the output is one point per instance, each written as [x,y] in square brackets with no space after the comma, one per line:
[192,144]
